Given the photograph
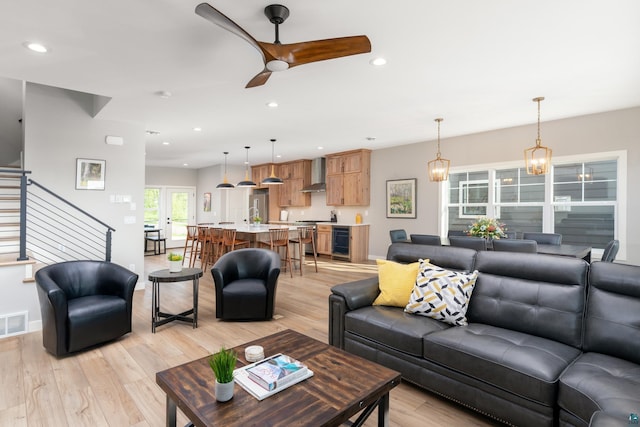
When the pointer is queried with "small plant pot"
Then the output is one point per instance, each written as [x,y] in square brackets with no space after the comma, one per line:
[224,391]
[175,266]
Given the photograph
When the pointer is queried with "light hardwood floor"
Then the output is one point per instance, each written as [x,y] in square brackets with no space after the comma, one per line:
[114,384]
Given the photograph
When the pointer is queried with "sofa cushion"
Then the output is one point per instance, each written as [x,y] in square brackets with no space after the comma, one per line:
[396,282]
[541,295]
[392,327]
[612,324]
[441,294]
[525,365]
[600,382]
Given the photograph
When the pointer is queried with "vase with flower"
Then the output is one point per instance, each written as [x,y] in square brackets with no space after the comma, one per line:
[488,228]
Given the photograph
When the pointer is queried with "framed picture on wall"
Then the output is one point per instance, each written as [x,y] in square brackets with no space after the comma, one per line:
[207,202]
[90,174]
[401,198]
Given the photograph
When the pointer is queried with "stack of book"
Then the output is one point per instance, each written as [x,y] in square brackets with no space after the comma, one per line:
[271,375]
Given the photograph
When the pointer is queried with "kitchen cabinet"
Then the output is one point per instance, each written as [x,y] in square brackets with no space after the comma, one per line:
[323,241]
[346,242]
[348,178]
[260,172]
[295,176]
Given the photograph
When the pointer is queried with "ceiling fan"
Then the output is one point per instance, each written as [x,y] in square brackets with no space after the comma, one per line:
[279,57]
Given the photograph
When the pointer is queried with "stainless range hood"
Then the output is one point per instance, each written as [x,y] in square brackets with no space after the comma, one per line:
[317,176]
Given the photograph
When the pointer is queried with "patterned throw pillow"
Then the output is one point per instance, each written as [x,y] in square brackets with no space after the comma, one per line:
[442,294]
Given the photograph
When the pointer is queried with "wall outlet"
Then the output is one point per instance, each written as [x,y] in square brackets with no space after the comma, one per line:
[366,213]
[132,267]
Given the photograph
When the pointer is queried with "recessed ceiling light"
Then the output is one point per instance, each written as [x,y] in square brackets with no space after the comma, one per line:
[36,47]
[197,129]
[164,94]
[272,104]
[371,138]
[185,164]
[278,155]
[378,62]
[152,132]
[165,142]
[320,148]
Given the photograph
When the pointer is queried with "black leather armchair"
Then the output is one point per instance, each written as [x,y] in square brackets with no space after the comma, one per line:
[245,281]
[84,303]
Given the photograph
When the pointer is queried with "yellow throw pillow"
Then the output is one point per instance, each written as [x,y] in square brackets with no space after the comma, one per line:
[396,281]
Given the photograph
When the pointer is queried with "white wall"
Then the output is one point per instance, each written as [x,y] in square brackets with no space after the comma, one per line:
[58,129]
[610,131]
[173,177]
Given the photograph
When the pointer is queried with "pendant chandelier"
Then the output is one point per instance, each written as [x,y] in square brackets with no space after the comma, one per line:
[272,179]
[438,168]
[538,158]
[225,185]
[247,182]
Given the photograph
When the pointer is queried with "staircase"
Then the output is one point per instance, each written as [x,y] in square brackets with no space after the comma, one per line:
[9,211]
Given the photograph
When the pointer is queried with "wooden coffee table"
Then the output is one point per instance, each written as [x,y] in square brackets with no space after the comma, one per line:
[342,386]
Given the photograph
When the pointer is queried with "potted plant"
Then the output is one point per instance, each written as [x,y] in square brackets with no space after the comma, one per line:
[175,262]
[222,364]
[257,220]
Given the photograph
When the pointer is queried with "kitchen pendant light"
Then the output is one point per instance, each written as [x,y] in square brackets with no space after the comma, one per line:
[538,158]
[247,182]
[225,185]
[273,179]
[438,168]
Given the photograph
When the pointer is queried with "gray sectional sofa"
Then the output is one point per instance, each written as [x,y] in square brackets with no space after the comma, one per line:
[550,340]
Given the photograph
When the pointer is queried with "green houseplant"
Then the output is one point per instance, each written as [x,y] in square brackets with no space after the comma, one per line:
[175,262]
[222,364]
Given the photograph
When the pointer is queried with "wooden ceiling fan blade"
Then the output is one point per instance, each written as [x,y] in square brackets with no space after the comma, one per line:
[318,50]
[260,79]
[216,17]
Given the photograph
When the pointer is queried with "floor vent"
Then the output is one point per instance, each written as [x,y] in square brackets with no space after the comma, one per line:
[13,324]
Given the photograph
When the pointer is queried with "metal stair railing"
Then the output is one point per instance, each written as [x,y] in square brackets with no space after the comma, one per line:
[52,229]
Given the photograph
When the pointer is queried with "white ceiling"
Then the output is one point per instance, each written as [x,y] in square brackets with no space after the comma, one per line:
[477,63]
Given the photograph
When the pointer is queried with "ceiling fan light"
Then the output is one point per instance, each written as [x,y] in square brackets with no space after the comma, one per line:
[277,65]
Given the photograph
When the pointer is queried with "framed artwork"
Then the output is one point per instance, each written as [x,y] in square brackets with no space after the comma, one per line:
[207,202]
[401,198]
[90,174]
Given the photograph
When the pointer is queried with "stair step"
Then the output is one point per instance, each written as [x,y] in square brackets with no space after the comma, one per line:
[9,211]
[9,198]
[10,187]
[9,224]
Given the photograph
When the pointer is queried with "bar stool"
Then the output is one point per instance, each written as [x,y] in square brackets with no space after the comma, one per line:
[206,255]
[216,243]
[229,241]
[279,237]
[199,246]
[305,236]
[192,237]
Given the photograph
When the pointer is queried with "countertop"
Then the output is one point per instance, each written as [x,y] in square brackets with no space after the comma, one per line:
[339,224]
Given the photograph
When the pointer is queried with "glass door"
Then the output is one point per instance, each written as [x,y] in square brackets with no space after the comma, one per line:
[180,212]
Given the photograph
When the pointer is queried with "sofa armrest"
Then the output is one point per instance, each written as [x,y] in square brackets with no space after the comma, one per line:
[347,297]
[360,293]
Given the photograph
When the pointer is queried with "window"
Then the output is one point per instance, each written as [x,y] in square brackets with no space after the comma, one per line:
[581,198]
[152,207]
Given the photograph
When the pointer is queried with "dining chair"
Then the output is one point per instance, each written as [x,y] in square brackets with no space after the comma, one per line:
[305,237]
[477,243]
[398,236]
[544,238]
[192,237]
[610,251]
[511,234]
[515,245]
[279,238]
[426,239]
[456,233]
